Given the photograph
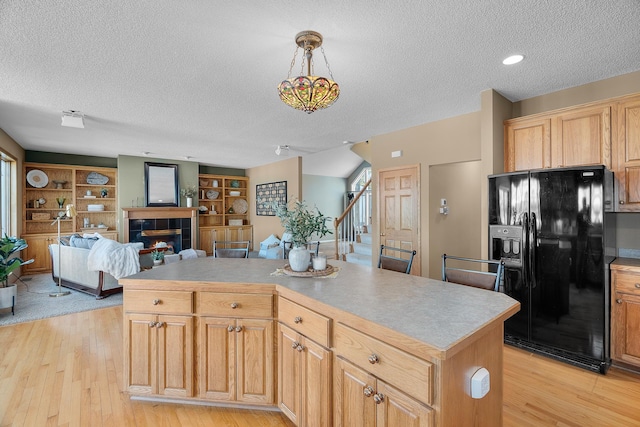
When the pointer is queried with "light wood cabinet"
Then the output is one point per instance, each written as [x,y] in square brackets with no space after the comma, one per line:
[235,347]
[236,360]
[56,187]
[38,250]
[627,170]
[304,379]
[363,400]
[159,354]
[602,133]
[625,312]
[582,137]
[209,234]
[227,216]
[564,138]
[527,144]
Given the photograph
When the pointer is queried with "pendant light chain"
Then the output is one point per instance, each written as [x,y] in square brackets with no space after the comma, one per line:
[293,62]
[326,62]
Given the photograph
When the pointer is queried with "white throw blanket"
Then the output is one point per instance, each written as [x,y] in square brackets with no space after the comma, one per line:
[113,257]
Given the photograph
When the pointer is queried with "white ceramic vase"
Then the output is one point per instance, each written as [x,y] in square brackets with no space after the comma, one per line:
[189,202]
[299,258]
[7,296]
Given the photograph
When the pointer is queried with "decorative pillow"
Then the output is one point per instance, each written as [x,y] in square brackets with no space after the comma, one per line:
[286,238]
[268,243]
[81,242]
[66,240]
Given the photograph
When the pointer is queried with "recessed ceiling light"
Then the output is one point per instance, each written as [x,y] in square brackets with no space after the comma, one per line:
[513,59]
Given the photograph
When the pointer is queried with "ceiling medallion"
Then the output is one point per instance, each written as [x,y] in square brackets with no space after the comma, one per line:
[308,92]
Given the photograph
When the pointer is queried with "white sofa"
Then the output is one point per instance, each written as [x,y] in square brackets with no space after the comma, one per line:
[76,275]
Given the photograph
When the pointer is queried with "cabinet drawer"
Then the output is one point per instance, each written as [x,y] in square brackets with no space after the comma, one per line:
[403,370]
[163,302]
[627,282]
[234,304]
[305,321]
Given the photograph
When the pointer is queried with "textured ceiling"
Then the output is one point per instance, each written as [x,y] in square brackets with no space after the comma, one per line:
[198,79]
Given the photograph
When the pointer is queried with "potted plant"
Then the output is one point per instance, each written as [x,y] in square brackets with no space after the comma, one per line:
[8,264]
[189,193]
[157,257]
[301,222]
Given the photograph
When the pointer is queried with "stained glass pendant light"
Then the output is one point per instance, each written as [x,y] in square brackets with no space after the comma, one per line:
[308,92]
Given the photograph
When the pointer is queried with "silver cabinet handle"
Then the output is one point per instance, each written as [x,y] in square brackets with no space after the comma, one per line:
[230,328]
[368,391]
[238,328]
[373,359]
[378,398]
[622,202]
[156,301]
[160,325]
[152,324]
[234,305]
[300,347]
[297,319]
[295,345]
[637,285]
[619,301]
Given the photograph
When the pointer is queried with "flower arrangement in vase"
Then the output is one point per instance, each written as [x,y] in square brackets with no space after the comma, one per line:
[189,193]
[301,222]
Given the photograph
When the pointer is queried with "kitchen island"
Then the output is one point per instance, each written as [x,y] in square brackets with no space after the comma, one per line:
[365,345]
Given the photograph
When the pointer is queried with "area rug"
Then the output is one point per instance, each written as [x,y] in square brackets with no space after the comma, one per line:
[33,301]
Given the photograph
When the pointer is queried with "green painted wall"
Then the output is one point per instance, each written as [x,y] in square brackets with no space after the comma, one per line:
[326,193]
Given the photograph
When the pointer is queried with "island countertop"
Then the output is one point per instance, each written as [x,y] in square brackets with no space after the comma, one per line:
[438,314]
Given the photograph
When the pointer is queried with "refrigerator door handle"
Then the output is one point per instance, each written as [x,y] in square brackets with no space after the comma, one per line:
[532,250]
[525,248]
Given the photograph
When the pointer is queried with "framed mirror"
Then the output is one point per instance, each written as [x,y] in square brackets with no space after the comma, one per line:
[160,184]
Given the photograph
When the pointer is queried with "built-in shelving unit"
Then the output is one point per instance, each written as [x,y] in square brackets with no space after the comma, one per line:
[48,189]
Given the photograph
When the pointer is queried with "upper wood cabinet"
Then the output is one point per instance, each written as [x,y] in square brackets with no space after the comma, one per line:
[527,144]
[582,137]
[627,170]
[604,133]
[575,137]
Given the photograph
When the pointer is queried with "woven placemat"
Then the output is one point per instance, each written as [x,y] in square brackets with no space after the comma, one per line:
[329,272]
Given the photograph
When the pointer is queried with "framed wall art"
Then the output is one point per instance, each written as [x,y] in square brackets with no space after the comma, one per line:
[266,194]
[160,184]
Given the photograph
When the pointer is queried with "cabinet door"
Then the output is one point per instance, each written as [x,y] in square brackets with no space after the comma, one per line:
[582,137]
[627,146]
[397,409]
[216,351]
[289,372]
[316,384]
[626,328]
[255,361]
[352,408]
[527,145]
[140,353]
[38,249]
[175,355]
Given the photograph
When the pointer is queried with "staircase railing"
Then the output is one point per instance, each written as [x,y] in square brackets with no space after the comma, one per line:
[346,228]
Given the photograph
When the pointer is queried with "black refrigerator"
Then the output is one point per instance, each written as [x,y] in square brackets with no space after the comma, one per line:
[555,231]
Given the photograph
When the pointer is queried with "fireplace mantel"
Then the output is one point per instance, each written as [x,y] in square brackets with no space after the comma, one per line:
[159,212]
[155,213]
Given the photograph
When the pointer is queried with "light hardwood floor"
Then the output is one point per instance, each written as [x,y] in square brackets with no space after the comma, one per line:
[67,371]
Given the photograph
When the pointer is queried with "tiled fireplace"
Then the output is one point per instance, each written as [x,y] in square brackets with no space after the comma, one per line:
[174,226]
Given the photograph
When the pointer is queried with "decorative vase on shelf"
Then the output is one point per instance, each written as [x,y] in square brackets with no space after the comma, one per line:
[189,202]
[299,258]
